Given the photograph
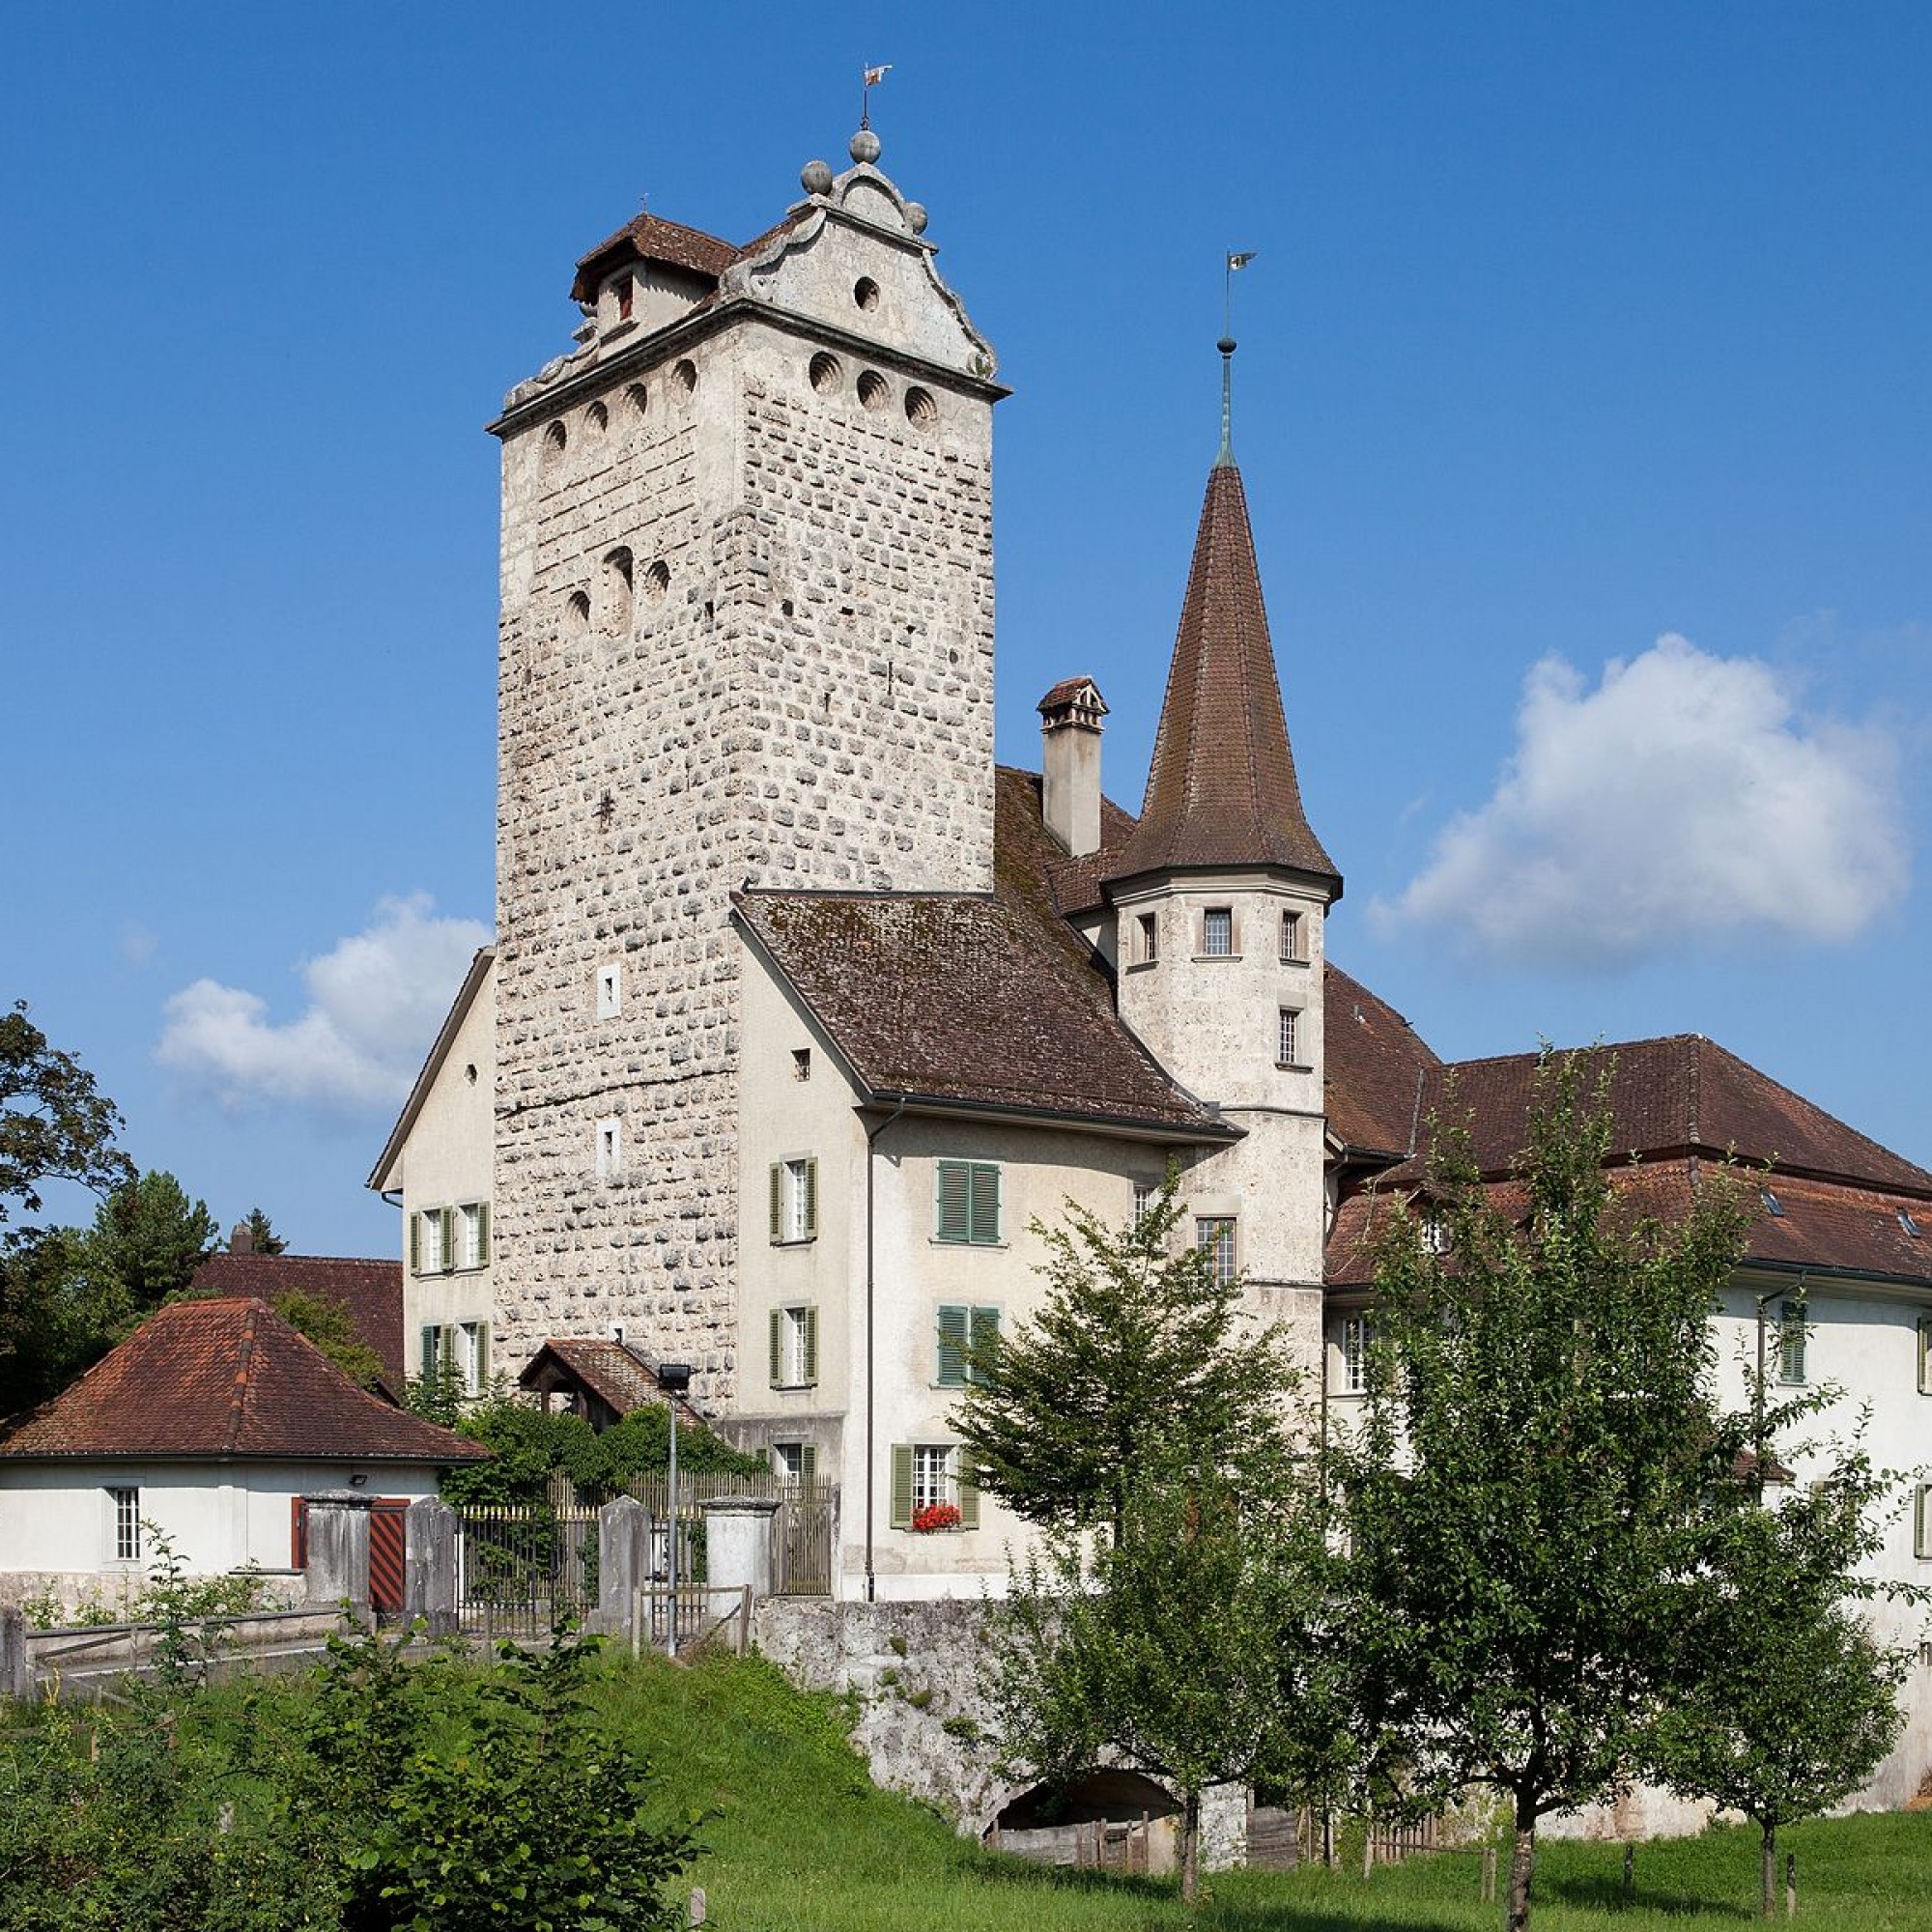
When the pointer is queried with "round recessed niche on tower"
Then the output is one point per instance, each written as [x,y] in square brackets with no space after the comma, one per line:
[683,379]
[825,372]
[866,293]
[922,411]
[874,391]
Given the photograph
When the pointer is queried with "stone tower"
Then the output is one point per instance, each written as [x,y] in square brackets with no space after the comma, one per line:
[747,636]
[1221,896]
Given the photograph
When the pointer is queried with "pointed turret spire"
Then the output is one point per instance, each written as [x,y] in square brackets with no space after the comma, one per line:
[1221,790]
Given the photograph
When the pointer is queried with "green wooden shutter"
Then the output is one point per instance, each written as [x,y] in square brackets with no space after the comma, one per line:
[1921,1529]
[953,1203]
[417,1243]
[482,1354]
[1791,1342]
[1925,1356]
[811,1350]
[985,1343]
[811,1199]
[968,1484]
[807,1461]
[426,1346]
[448,1239]
[985,1222]
[777,1207]
[901,1486]
[778,1347]
[953,1327]
[483,1234]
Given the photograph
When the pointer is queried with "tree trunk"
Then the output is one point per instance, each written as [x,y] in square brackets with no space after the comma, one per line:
[1769,1891]
[1522,1866]
[1368,1839]
[1190,1846]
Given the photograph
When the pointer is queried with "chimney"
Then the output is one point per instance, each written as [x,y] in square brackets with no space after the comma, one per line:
[242,1240]
[1069,730]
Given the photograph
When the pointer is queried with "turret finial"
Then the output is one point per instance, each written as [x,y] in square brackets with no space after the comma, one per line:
[1225,457]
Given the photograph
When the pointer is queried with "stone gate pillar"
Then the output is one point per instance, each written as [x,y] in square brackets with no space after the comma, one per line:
[429,1565]
[738,1544]
[337,1545]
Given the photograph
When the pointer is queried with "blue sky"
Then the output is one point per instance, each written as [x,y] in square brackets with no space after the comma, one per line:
[1571,330]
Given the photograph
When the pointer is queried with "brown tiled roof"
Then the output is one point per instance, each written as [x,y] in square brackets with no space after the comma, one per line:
[1684,1093]
[369,1291]
[1823,1226]
[1375,1067]
[649,238]
[607,1369]
[226,1378]
[981,1001]
[1221,789]
[1066,692]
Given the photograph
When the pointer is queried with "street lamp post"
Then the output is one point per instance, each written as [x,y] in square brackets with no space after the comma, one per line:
[674,1378]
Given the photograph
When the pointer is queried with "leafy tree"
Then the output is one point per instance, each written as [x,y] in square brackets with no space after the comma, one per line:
[1533,1488]
[54,1123]
[262,1237]
[1138,1347]
[1794,1703]
[148,1238]
[531,1446]
[331,1327]
[1185,1644]
[55,1317]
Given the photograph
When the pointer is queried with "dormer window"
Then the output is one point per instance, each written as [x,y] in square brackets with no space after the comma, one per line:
[1907,1223]
[1772,1203]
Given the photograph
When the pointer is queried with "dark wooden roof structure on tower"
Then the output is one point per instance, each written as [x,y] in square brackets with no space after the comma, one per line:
[1222,789]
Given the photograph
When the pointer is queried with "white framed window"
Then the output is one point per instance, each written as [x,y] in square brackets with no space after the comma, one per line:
[966,1338]
[1357,1336]
[1288,1037]
[472,1234]
[1434,1233]
[966,1203]
[795,1462]
[610,990]
[1217,932]
[1791,1341]
[1214,1237]
[432,1248]
[1147,938]
[472,1356]
[610,1145]
[794,1200]
[800,1063]
[1145,1194]
[794,1346]
[1292,941]
[124,1525]
[928,1475]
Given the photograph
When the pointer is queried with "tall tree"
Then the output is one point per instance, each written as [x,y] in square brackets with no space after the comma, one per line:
[1139,1346]
[54,1123]
[149,1237]
[1794,1703]
[1184,1645]
[1531,1491]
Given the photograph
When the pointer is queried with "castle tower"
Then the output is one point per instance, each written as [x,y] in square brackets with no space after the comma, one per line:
[1221,896]
[747,636]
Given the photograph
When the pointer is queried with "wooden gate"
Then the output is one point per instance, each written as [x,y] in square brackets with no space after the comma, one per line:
[802,1539]
[387,1545]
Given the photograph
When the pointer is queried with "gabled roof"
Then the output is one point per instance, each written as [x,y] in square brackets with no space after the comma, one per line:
[1679,1094]
[616,1376]
[225,1378]
[370,1293]
[649,238]
[985,1002]
[1221,788]
[466,997]
[1678,1107]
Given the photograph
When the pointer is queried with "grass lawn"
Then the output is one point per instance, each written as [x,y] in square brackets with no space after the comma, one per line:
[797,1839]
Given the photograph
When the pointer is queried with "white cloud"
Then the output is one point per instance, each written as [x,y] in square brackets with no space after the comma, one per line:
[1681,803]
[375,1002]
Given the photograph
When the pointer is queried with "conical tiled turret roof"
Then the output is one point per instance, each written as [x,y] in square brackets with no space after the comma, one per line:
[1221,790]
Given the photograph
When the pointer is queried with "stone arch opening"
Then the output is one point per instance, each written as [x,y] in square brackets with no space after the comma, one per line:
[1105,1816]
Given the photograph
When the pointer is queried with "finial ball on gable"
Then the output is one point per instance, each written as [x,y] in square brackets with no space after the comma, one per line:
[864,147]
[815,178]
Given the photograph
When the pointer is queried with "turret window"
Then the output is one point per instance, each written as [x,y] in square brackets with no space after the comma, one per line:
[1214,1237]
[1217,932]
[1288,1037]
[1292,941]
[1147,939]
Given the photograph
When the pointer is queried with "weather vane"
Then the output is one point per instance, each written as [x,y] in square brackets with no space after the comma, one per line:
[873,76]
[1236,260]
